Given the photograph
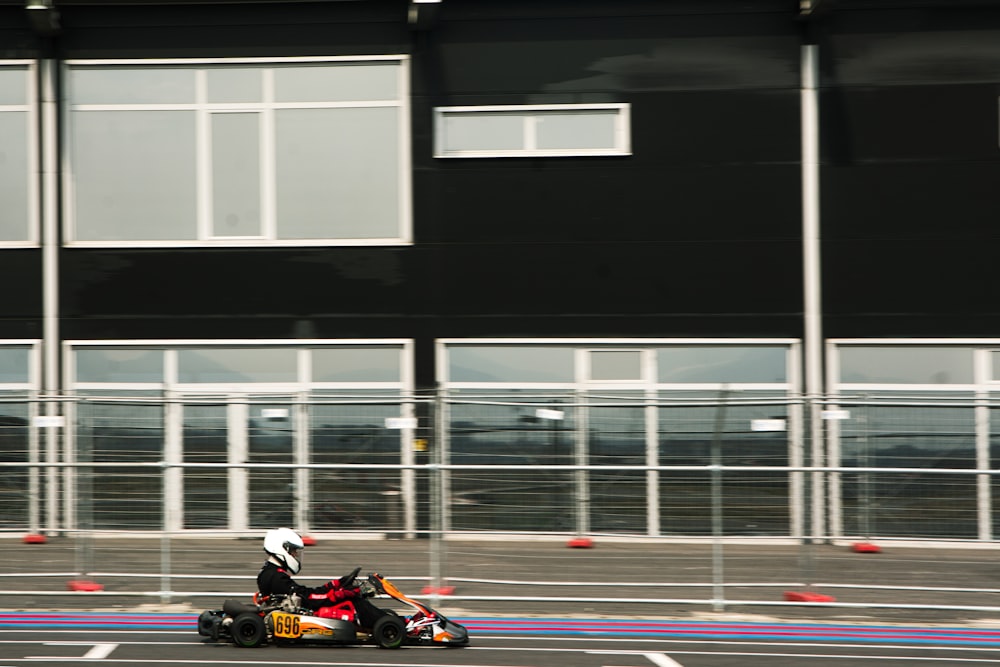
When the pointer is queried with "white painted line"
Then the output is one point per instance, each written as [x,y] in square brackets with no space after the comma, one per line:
[98,651]
[662,660]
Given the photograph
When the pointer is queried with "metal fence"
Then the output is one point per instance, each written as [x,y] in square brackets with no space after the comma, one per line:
[721,473]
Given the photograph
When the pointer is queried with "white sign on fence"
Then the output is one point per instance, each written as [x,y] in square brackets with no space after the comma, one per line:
[397,423]
[767,424]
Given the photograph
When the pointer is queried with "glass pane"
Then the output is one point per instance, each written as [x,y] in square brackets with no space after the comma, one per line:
[131,85]
[506,428]
[906,364]
[14,496]
[346,432]
[231,365]
[995,358]
[272,489]
[356,364]
[236,174]
[722,364]
[231,84]
[134,175]
[510,364]
[580,129]
[482,131]
[910,431]
[14,366]
[326,82]
[616,365]
[753,503]
[13,85]
[617,437]
[123,496]
[14,139]
[119,365]
[338,173]
[206,440]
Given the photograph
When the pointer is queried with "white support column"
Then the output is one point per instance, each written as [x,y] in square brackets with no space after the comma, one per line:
[173,453]
[49,166]
[812,307]
[238,414]
[984,483]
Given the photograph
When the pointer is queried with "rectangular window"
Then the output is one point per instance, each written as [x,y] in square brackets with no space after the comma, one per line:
[238,152]
[546,130]
[17,153]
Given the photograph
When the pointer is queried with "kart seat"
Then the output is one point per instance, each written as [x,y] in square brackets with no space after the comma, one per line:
[235,608]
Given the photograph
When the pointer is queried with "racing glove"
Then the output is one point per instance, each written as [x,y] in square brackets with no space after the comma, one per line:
[341,594]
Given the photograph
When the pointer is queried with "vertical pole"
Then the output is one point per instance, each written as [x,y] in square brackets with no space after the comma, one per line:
[718,561]
[438,498]
[813,344]
[812,308]
[49,164]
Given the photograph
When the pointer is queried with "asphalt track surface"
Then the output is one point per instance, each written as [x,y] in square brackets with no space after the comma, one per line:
[960,624]
[64,639]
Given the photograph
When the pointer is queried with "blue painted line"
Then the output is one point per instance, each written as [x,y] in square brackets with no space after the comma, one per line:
[493,626]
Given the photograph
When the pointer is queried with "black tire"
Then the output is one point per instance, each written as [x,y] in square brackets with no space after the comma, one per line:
[389,632]
[248,631]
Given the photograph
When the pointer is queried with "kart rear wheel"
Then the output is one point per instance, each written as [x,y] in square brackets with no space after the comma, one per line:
[389,632]
[248,631]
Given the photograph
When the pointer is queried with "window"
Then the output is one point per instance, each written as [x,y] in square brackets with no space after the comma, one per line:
[539,130]
[238,152]
[17,153]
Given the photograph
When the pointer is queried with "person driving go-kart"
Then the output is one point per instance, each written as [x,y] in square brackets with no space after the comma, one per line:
[284,550]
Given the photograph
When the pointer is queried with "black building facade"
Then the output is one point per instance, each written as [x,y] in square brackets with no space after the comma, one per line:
[610,175]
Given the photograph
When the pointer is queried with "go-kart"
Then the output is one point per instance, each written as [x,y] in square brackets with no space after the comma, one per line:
[283,620]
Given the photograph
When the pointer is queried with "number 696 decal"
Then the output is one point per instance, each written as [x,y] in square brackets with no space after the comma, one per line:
[286,625]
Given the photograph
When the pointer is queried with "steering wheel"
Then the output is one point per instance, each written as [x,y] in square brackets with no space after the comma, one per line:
[347,581]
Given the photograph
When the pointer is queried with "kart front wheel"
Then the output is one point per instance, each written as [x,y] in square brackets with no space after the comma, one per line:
[389,632]
[248,631]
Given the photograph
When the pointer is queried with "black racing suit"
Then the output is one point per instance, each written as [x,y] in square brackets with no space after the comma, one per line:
[275,580]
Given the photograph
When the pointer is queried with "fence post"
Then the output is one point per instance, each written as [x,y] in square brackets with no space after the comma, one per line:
[718,578]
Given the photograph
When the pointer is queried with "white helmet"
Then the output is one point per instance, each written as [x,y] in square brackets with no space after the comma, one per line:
[285,545]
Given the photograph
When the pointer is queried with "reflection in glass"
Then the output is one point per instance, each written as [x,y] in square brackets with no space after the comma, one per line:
[337,173]
[236,174]
[119,365]
[510,364]
[342,431]
[356,364]
[237,365]
[272,489]
[126,432]
[505,428]
[722,363]
[911,430]
[14,138]
[617,437]
[906,364]
[14,447]
[133,175]
[205,440]
[753,503]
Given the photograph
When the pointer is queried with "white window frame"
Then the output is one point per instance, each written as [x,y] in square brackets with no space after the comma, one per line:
[530,114]
[266,107]
[31,108]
